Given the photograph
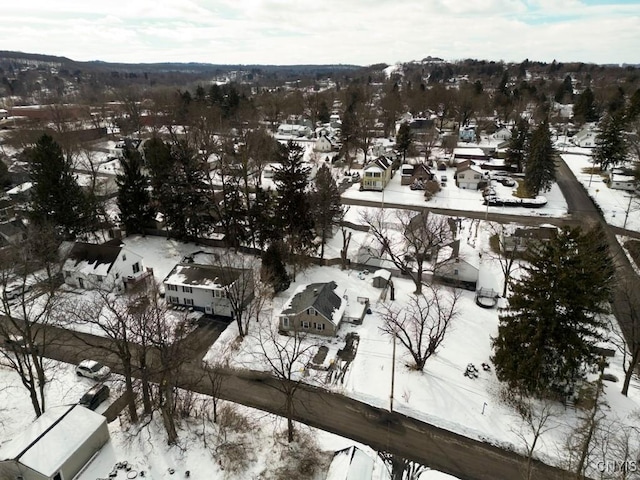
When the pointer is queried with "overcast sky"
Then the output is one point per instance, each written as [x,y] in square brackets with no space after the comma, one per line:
[359,32]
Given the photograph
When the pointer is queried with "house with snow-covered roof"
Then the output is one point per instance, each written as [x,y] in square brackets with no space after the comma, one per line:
[586,136]
[56,446]
[314,308]
[107,265]
[469,177]
[351,464]
[376,174]
[212,289]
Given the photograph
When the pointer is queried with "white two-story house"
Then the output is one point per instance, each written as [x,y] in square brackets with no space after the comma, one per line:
[376,174]
[109,265]
[212,289]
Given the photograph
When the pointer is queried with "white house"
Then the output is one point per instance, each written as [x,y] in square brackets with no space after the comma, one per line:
[108,265]
[296,131]
[457,269]
[56,446]
[376,174]
[586,136]
[502,134]
[469,177]
[324,144]
[620,181]
[209,288]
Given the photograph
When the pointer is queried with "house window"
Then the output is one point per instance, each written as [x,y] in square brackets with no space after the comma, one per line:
[124,257]
[174,300]
[461,175]
[310,311]
[455,272]
[173,288]
[187,289]
[136,267]
[305,325]
[81,283]
[285,322]
[100,278]
[188,301]
[216,293]
[319,326]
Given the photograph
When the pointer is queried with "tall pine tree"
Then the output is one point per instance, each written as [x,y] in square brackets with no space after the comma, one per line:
[56,196]
[518,144]
[294,209]
[134,201]
[546,339]
[540,172]
[611,144]
[404,139]
[326,205]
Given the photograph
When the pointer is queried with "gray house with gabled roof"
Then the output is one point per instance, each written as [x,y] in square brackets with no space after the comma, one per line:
[314,308]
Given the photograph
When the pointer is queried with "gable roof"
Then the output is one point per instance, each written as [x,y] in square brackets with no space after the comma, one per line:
[96,256]
[52,438]
[196,274]
[351,464]
[382,162]
[320,296]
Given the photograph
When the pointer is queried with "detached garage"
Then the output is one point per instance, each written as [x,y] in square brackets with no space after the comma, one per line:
[54,447]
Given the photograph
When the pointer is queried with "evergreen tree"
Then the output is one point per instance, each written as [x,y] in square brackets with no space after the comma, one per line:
[564,93]
[273,271]
[546,339]
[324,116]
[134,200]
[518,143]
[56,196]
[294,208]
[261,217]
[584,108]
[633,109]
[404,139]
[540,172]
[611,144]
[5,179]
[326,205]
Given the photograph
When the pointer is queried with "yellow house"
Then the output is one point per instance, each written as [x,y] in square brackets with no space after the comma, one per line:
[376,174]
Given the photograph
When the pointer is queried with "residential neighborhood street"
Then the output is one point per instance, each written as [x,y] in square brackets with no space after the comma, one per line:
[440,449]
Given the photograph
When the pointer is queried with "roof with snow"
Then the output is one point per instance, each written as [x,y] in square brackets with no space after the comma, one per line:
[54,437]
[320,296]
[195,274]
[94,258]
[351,464]
[379,164]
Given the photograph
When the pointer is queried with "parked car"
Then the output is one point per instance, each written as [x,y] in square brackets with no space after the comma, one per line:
[355,177]
[11,293]
[17,342]
[95,396]
[92,369]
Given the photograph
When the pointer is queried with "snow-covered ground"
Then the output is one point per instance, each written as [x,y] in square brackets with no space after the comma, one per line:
[263,445]
[441,394]
[614,203]
[452,197]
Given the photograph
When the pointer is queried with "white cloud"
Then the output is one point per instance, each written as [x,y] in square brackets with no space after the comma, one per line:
[332,31]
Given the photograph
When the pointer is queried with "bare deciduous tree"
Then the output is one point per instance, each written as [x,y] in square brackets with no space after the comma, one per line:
[29,304]
[538,418]
[410,240]
[422,323]
[286,357]
[504,252]
[629,313]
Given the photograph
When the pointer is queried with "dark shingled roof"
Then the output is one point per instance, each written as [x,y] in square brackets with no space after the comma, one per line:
[107,253]
[320,296]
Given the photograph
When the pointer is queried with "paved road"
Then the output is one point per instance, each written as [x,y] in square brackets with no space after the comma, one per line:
[440,449]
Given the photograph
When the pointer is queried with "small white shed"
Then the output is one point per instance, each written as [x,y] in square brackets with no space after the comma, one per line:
[56,446]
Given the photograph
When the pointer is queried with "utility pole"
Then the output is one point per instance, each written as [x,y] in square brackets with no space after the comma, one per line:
[393,371]
[626,216]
